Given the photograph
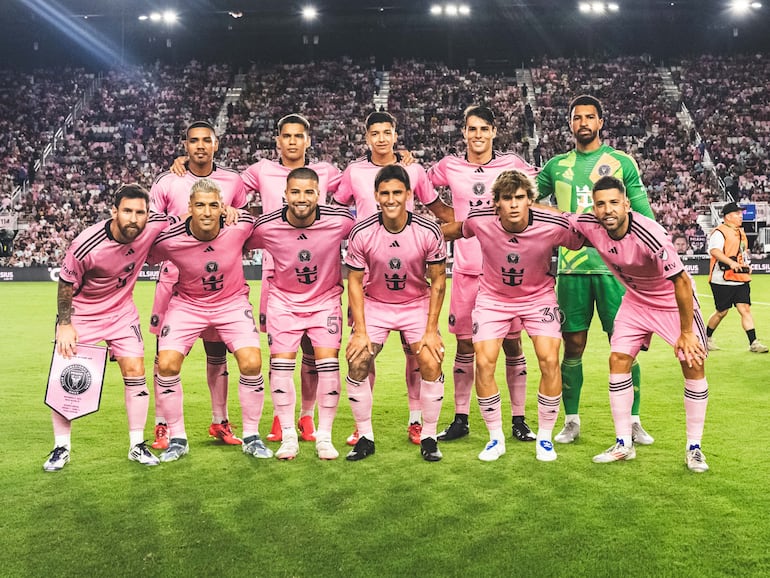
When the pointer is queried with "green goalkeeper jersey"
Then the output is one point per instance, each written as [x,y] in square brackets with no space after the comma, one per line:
[570,177]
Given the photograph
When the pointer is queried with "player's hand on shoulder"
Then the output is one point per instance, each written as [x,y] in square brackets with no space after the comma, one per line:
[407,158]
[178,167]
[231,215]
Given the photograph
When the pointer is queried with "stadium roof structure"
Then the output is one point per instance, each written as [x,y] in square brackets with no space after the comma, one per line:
[100,31]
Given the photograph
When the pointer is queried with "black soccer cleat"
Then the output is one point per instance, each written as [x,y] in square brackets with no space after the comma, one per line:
[456,430]
[363,449]
[521,430]
[429,450]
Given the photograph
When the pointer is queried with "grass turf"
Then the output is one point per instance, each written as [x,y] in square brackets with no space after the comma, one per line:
[217,511]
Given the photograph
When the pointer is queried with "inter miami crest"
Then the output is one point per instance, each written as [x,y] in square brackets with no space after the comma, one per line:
[604,170]
[479,189]
[513,258]
[212,282]
[304,256]
[76,379]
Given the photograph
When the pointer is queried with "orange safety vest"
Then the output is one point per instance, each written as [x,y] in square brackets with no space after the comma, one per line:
[735,246]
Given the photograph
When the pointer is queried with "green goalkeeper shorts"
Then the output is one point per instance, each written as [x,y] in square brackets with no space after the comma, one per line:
[577,296]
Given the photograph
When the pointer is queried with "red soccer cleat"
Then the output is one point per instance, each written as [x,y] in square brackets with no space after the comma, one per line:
[275,434]
[224,432]
[161,437]
[414,431]
[353,438]
[306,428]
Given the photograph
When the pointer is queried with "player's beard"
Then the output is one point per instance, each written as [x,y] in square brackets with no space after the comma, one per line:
[586,137]
[130,232]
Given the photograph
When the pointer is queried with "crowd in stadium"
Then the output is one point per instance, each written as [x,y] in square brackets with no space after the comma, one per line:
[129,129]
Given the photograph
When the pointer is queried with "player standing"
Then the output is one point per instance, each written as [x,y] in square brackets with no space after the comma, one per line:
[395,247]
[355,188]
[268,178]
[95,303]
[170,194]
[470,179]
[584,280]
[659,299]
[211,294]
[304,239]
[516,290]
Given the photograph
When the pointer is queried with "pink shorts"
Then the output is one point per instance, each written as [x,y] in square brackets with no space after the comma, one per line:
[285,328]
[497,319]
[382,318]
[120,330]
[233,321]
[635,324]
[465,288]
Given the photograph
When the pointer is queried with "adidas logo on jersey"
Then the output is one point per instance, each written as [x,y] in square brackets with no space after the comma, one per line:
[395,244]
[613,250]
[302,237]
[130,252]
[479,170]
[513,240]
[208,249]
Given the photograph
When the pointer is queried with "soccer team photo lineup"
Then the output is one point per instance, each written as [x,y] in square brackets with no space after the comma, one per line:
[391,228]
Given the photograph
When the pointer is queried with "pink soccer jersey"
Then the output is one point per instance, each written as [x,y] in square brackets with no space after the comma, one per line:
[104,271]
[170,194]
[396,262]
[518,265]
[209,271]
[307,263]
[643,260]
[357,186]
[268,178]
[471,187]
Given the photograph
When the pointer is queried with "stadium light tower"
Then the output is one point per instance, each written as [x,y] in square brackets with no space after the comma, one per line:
[309,13]
[450,10]
[744,6]
[598,8]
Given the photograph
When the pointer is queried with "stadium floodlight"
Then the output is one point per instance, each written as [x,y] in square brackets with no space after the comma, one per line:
[169,17]
[756,5]
[309,13]
[450,10]
[436,10]
[584,7]
[613,7]
[143,17]
[598,7]
[464,10]
[156,17]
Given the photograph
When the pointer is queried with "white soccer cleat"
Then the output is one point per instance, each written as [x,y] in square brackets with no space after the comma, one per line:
[711,345]
[640,436]
[177,447]
[57,459]
[493,450]
[757,347]
[254,446]
[142,454]
[325,449]
[569,433]
[695,460]
[289,448]
[544,451]
[616,453]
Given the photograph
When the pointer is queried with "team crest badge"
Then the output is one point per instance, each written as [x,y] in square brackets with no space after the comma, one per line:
[212,267]
[452,320]
[479,189]
[304,256]
[604,170]
[394,263]
[512,257]
[76,379]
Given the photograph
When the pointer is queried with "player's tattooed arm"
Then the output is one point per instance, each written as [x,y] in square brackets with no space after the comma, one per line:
[64,302]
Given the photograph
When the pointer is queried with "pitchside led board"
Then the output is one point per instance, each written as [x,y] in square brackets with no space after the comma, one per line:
[75,384]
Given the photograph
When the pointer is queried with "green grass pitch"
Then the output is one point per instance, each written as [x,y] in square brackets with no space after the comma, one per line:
[218,512]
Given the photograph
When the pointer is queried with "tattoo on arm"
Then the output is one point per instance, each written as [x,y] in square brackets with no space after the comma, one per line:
[64,300]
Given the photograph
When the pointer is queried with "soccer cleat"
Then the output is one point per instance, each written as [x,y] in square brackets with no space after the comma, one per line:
[325,450]
[142,454]
[276,434]
[616,453]
[306,428]
[224,432]
[254,446]
[493,450]
[569,433]
[177,447]
[757,347]
[353,438]
[695,460]
[711,345]
[544,451]
[429,450]
[521,430]
[639,436]
[161,437]
[289,448]
[57,459]
[415,431]
[455,430]
[364,448]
